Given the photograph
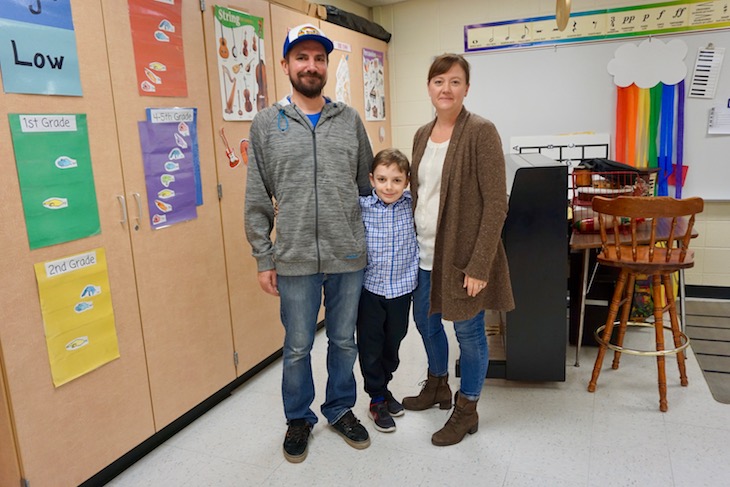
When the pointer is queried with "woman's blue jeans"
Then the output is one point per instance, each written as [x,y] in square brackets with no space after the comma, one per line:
[470,334]
[301,297]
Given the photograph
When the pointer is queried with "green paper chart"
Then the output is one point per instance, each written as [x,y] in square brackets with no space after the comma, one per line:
[56,180]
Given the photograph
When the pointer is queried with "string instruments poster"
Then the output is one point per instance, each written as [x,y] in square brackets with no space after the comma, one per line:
[241,69]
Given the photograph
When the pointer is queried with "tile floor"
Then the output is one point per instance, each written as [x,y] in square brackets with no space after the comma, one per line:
[530,434]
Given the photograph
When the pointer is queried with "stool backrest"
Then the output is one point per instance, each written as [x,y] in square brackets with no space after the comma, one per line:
[649,220]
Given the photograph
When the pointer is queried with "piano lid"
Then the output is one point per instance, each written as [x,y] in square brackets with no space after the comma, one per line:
[515,162]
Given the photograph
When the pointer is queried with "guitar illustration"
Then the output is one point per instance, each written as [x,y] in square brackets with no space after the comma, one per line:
[245,44]
[253,46]
[222,48]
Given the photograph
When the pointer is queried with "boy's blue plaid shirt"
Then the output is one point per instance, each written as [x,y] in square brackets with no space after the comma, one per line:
[392,268]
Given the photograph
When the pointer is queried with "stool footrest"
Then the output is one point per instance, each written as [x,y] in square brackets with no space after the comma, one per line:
[632,351]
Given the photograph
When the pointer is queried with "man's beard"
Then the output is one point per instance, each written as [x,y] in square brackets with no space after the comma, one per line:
[307,87]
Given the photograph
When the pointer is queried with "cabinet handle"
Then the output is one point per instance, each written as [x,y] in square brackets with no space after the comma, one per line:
[138,200]
[123,205]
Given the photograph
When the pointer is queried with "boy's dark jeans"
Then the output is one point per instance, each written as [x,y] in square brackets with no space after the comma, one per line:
[381,326]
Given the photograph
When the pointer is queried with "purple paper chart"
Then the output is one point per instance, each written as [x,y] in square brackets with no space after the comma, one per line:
[167,152]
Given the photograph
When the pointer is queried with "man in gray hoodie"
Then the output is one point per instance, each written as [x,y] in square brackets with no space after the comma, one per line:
[309,160]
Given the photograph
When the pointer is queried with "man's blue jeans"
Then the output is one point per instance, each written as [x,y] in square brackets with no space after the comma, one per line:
[470,334]
[300,301]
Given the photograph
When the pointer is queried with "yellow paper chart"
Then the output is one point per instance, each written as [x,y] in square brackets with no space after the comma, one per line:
[78,317]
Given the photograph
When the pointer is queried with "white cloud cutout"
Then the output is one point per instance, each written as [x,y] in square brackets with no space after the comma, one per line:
[649,63]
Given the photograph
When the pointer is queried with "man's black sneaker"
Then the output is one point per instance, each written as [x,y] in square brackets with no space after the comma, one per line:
[394,407]
[382,418]
[355,434]
[295,441]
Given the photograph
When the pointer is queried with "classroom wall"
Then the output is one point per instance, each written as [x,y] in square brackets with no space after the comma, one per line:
[424,28]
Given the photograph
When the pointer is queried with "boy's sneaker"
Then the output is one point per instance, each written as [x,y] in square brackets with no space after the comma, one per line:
[394,407]
[296,439]
[383,421]
[355,434]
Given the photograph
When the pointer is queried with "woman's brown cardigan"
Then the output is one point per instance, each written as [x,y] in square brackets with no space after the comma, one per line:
[472,209]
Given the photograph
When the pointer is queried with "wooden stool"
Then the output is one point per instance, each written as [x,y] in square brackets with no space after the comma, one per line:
[631,227]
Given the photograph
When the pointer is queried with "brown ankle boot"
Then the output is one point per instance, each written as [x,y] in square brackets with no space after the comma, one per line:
[464,419]
[435,390]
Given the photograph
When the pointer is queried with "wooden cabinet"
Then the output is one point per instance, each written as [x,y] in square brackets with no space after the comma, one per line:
[185,298]
[64,435]
[180,270]
[257,332]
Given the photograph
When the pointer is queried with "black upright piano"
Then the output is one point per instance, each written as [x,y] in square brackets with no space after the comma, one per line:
[535,236]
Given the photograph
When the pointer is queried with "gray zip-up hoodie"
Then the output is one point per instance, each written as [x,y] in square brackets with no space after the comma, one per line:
[314,176]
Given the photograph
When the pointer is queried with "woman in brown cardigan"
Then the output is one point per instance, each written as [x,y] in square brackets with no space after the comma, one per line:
[460,203]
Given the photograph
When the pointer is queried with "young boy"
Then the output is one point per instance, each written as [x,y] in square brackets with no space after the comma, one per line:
[390,277]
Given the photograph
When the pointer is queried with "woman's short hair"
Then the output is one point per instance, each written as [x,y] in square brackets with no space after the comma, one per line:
[387,157]
[444,62]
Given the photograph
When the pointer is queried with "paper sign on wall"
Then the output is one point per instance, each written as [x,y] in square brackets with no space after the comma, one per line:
[78,317]
[38,48]
[56,180]
[240,54]
[167,152]
[158,47]
[373,71]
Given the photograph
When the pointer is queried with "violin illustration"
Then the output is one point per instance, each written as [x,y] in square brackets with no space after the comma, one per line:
[247,96]
[261,97]
[253,46]
[245,45]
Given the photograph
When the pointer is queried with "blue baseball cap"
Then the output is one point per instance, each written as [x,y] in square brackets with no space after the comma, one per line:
[306,32]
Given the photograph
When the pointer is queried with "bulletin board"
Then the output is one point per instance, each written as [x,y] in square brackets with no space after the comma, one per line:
[567,89]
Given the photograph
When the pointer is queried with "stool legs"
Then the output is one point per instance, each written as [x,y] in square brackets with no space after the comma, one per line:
[671,302]
[656,284]
[625,311]
[612,312]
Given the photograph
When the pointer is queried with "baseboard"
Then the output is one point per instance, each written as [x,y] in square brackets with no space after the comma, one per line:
[138,452]
[709,292]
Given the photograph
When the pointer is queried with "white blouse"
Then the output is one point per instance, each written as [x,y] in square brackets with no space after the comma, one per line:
[429,191]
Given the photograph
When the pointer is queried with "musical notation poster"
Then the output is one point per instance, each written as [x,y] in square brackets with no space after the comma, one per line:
[56,180]
[158,47]
[678,16]
[167,153]
[38,48]
[78,317]
[373,73]
[241,69]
